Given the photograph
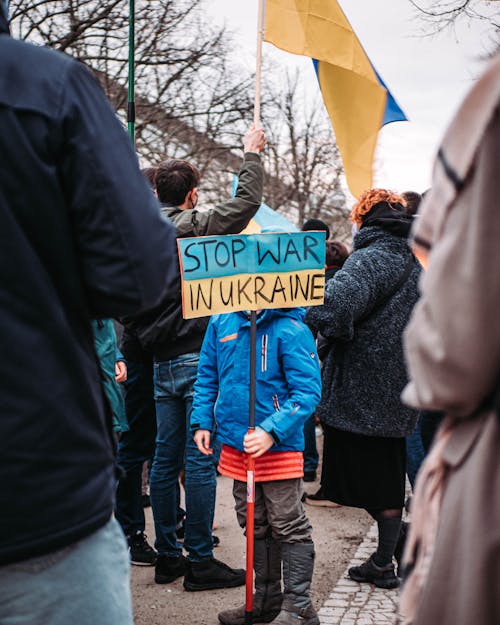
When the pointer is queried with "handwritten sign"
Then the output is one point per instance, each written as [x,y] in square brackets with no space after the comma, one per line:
[223,274]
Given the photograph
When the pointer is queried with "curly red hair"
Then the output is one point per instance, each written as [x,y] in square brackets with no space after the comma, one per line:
[369,198]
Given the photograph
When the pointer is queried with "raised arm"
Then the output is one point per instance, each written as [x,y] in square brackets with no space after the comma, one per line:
[233,216]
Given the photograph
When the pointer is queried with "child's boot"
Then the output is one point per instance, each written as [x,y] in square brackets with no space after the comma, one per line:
[298,564]
[267,597]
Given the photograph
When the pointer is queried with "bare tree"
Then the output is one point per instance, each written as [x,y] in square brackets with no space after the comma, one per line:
[441,14]
[190,101]
[303,155]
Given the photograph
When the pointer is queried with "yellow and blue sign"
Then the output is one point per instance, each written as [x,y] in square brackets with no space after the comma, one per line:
[223,274]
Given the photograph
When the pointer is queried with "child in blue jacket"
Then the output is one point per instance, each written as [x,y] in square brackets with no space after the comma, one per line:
[288,389]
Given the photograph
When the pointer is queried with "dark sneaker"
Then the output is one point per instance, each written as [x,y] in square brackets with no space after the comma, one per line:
[318,499]
[141,552]
[211,574]
[169,568]
[381,576]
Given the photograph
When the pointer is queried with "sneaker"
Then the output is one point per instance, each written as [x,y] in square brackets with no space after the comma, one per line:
[141,552]
[211,574]
[309,476]
[318,499]
[381,576]
[169,568]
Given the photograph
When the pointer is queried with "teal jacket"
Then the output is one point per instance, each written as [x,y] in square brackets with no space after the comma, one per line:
[108,355]
[288,378]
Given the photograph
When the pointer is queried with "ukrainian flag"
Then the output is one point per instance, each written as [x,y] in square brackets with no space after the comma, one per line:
[356,98]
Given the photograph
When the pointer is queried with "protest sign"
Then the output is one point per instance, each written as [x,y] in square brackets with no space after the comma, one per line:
[227,273]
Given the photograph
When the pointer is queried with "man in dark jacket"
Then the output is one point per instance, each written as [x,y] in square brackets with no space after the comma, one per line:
[175,344]
[81,236]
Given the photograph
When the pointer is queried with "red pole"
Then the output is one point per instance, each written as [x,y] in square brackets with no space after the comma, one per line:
[253,360]
[250,539]
[251,473]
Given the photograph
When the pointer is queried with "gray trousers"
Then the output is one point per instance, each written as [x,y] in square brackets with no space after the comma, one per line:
[278,510]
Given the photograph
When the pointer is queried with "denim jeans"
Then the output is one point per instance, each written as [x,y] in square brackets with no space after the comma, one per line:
[311,456]
[174,389]
[135,446]
[84,584]
[415,454]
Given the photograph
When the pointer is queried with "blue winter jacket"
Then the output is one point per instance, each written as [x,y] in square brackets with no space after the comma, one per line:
[288,378]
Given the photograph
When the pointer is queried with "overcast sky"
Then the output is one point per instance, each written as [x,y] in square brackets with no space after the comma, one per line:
[428,76]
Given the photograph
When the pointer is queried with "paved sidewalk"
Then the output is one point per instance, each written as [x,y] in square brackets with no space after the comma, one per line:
[352,603]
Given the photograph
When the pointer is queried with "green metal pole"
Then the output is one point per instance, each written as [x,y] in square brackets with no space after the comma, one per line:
[131,72]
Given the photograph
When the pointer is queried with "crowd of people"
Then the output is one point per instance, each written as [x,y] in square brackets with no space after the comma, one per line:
[400,362]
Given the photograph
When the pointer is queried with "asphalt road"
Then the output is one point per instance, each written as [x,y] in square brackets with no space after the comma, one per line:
[337,533]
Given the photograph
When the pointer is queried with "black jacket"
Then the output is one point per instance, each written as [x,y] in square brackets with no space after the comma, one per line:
[163,332]
[364,372]
[81,236]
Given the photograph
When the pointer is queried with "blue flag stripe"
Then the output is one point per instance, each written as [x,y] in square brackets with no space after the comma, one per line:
[393,112]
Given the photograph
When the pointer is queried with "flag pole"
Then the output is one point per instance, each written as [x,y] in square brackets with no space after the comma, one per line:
[258,68]
[250,512]
[131,72]
[250,518]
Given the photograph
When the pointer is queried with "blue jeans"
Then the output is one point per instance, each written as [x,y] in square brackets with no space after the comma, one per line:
[86,583]
[415,454]
[174,389]
[311,456]
[136,446]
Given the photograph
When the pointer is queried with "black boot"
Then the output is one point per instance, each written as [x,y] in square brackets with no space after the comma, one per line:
[298,565]
[141,552]
[211,574]
[267,597]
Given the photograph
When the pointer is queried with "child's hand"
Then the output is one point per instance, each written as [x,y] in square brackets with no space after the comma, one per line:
[120,371]
[257,442]
[202,440]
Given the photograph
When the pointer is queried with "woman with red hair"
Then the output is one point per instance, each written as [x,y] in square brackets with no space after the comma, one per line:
[367,306]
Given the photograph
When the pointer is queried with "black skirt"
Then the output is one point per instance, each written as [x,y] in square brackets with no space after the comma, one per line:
[363,471]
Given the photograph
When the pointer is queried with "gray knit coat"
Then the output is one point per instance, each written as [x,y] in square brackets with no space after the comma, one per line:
[364,372]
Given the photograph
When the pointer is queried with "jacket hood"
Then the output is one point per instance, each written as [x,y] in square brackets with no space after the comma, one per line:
[388,217]
[373,234]
[4,24]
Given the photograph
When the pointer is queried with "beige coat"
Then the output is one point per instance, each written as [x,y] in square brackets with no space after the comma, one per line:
[453,354]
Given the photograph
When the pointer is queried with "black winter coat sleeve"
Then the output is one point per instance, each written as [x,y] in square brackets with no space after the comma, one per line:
[354,291]
[126,248]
